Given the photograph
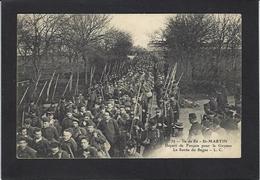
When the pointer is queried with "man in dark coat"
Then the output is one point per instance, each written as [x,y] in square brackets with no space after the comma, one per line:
[67,122]
[56,152]
[110,129]
[195,131]
[40,144]
[49,132]
[24,151]
[77,130]
[68,144]
[151,138]
[87,151]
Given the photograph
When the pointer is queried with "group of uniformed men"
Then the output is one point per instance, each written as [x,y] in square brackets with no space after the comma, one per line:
[128,116]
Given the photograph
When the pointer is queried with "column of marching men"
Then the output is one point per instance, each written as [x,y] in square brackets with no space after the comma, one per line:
[126,116]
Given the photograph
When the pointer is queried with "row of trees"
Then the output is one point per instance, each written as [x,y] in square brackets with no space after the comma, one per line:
[204,45]
[74,38]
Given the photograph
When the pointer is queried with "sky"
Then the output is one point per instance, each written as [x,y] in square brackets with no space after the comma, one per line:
[140,26]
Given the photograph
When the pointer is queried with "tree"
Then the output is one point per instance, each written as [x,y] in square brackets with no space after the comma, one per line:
[117,44]
[197,41]
[82,32]
[36,35]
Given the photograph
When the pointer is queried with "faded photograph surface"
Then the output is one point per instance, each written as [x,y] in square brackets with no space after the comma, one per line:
[129,86]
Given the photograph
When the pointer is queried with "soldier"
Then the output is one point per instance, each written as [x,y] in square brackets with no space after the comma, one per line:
[23,150]
[110,129]
[87,151]
[77,130]
[68,144]
[218,131]
[23,133]
[213,105]
[195,131]
[36,121]
[54,122]
[160,120]
[98,140]
[56,152]
[49,132]
[40,144]
[151,138]
[27,125]
[67,122]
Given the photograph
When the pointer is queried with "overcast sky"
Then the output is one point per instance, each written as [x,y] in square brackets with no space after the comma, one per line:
[140,26]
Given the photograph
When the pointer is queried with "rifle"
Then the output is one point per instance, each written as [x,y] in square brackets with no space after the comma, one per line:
[72,155]
[172,78]
[71,82]
[103,73]
[41,92]
[36,84]
[23,96]
[49,86]
[55,86]
[66,86]
[23,118]
[77,84]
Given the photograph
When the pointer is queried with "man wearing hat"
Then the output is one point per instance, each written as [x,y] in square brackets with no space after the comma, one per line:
[67,122]
[54,122]
[49,132]
[110,129]
[36,121]
[27,125]
[23,150]
[77,130]
[56,152]
[68,144]
[195,129]
[160,119]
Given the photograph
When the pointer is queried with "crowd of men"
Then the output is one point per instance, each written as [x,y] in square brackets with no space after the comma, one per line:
[126,116]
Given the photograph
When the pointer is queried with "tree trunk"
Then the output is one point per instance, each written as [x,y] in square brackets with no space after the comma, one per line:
[85,69]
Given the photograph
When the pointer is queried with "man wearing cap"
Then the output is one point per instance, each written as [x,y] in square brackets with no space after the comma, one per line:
[49,132]
[40,144]
[54,122]
[195,129]
[27,125]
[24,133]
[56,152]
[160,120]
[110,129]
[35,120]
[67,122]
[77,130]
[23,151]
[68,144]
